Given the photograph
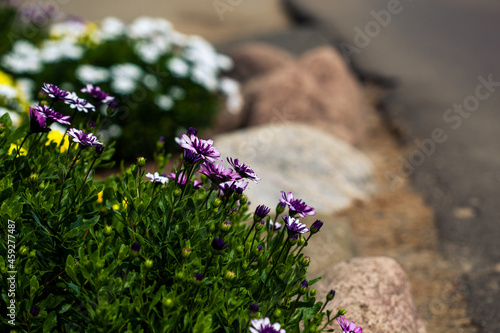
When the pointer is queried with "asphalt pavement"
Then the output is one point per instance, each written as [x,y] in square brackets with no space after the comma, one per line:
[443,58]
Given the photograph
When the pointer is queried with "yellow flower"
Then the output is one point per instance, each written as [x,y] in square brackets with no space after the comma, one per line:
[56,136]
[116,206]
[13,146]
[6,79]
[99,196]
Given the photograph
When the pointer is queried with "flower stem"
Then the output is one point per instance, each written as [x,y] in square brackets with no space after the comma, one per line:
[302,247]
[293,308]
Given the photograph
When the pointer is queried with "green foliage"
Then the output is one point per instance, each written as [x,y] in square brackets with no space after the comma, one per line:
[126,254]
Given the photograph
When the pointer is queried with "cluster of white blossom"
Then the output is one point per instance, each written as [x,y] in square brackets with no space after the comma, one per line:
[153,40]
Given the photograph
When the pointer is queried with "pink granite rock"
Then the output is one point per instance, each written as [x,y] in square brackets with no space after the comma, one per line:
[317,90]
[375,292]
[254,59]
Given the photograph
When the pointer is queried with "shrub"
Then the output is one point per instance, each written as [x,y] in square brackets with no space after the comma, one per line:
[142,252]
[165,81]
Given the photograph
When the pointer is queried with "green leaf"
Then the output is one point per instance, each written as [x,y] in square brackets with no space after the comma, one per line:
[50,322]
[80,226]
[33,286]
[203,323]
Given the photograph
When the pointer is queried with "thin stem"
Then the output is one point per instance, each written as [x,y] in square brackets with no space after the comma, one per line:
[274,265]
[302,247]
[248,234]
[66,177]
[22,143]
[293,308]
[85,178]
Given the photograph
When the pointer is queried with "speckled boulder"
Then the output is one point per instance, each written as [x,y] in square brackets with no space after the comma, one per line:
[319,168]
[376,294]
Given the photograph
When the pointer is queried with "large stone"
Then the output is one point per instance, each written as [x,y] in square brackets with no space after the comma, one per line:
[330,100]
[254,59]
[333,244]
[324,171]
[376,294]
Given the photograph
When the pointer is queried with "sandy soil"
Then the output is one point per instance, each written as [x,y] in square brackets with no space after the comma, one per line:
[397,223]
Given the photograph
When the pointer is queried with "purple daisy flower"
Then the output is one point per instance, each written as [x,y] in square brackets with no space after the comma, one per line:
[294,226]
[231,187]
[348,326]
[200,147]
[85,140]
[264,326]
[243,170]
[54,91]
[296,205]
[53,115]
[75,102]
[98,94]
[191,157]
[157,178]
[217,173]
[38,121]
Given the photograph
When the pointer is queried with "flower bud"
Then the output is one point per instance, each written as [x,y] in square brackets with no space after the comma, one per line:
[226,226]
[303,287]
[198,278]
[280,208]
[180,275]
[313,329]
[341,312]
[229,276]
[141,162]
[313,292]
[217,202]
[177,192]
[34,178]
[253,309]
[301,241]
[91,124]
[260,225]
[35,310]
[305,261]
[168,302]
[243,200]
[160,143]
[316,226]
[278,313]
[32,254]
[148,263]
[240,249]
[99,150]
[293,240]
[135,248]
[107,230]
[186,252]
[331,295]
[23,250]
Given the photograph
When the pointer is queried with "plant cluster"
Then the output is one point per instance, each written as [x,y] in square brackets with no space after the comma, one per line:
[165,81]
[147,252]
